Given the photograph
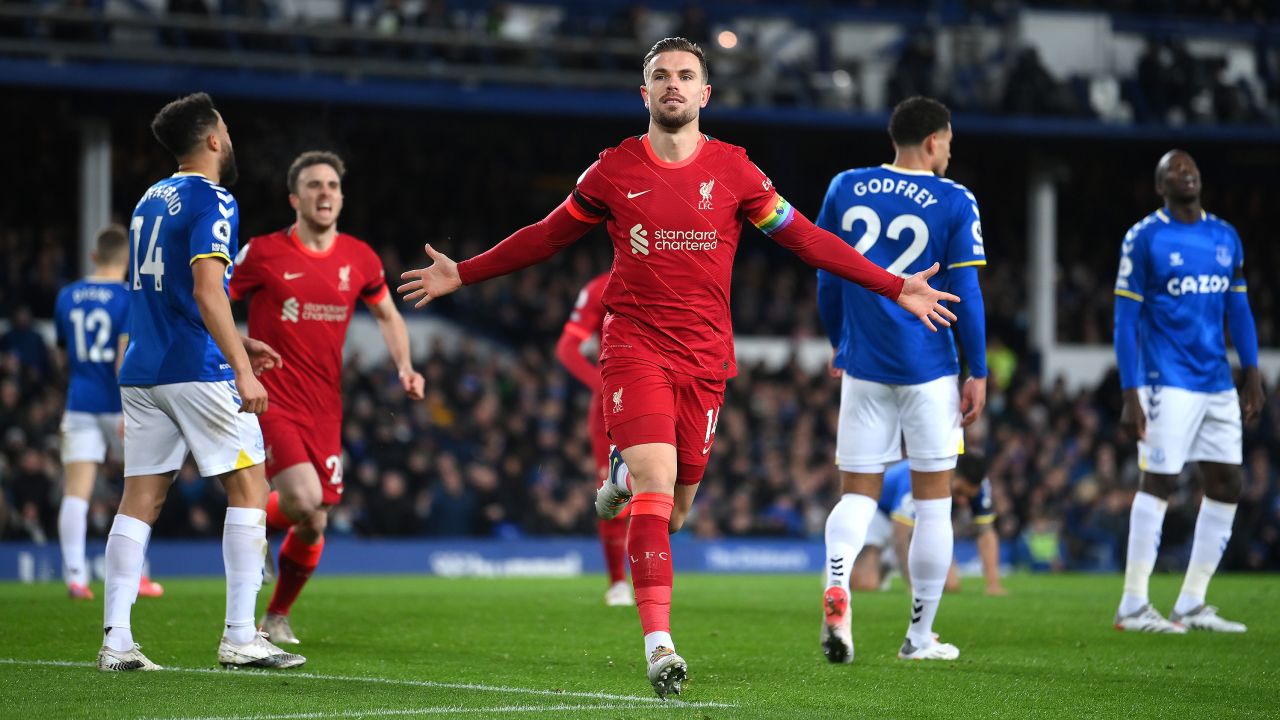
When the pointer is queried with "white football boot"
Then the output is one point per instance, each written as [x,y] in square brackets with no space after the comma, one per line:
[277,629]
[256,653]
[933,651]
[667,671]
[1148,619]
[614,494]
[1206,617]
[132,659]
[619,595]
[837,632]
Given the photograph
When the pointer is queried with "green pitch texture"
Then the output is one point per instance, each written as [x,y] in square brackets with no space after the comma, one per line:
[394,647]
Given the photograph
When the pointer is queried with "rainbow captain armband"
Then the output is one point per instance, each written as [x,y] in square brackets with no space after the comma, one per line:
[776,218]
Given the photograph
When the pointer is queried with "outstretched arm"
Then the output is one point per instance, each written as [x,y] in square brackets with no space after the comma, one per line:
[823,250]
[527,246]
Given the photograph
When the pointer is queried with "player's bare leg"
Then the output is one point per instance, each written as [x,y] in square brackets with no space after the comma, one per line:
[866,570]
[1145,521]
[846,533]
[953,579]
[73,525]
[130,531]
[653,477]
[299,498]
[1222,486]
[928,562]
[244,541]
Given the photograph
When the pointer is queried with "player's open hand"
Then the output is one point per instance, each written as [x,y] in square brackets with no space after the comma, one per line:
[924,302]
[973,398]
[253,397]
[428,283]
[262,357]
[413,383]
[832,370]
[1132,417]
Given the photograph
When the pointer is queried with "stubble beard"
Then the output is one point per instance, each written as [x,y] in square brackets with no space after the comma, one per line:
[673,122]
[228,173]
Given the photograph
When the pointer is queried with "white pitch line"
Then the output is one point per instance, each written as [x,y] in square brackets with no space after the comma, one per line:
[392,681]
[393,712]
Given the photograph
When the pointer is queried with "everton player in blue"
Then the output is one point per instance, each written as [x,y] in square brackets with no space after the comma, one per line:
[90,317]
[188,383]
[900,384]
[1181,275]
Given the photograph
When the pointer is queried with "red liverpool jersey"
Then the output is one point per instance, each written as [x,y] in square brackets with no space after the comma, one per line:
[675,230]
[302,303]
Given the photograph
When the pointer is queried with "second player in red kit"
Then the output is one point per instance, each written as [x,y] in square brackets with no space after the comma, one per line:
[303,284]
[673,201]
[579,350]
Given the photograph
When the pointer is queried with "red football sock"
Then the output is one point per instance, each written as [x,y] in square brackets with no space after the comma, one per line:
[276,519]
[613,539]
[297,561]
[649,549]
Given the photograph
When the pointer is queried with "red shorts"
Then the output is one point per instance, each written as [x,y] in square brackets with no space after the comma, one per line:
[645,403]
[319,442]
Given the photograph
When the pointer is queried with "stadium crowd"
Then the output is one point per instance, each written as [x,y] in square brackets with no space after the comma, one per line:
[1172,81]
[499,447]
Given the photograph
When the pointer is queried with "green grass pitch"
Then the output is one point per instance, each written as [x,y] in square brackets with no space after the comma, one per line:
[398,647]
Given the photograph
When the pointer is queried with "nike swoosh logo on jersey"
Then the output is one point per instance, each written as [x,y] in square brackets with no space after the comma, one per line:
[293,276]
[631,195]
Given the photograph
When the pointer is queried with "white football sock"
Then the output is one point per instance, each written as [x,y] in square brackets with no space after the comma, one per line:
[1145,520]
[1213,532]
[928,561]
[655,639]
[125,546]
[244,543]
[72,524]
[846,534]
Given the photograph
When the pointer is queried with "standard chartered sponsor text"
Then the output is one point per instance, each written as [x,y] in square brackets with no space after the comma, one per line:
[324,313]
[685,239]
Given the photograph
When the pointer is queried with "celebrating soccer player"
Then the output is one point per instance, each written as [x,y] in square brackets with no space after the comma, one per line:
[674,201]
[303,283]
[189,382]
[580,339]
[1181,273]
[91,317]
[900,384]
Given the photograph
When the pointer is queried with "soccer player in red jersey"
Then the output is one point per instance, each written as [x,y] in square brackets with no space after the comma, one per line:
[579,340]
[674,201]
[303,283]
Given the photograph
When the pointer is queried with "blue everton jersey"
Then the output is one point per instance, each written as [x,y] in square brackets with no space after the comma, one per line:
[178,221]
[1181,273]
[903,221]
[91,316]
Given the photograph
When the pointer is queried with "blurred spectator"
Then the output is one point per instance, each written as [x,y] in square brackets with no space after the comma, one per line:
[27,345]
